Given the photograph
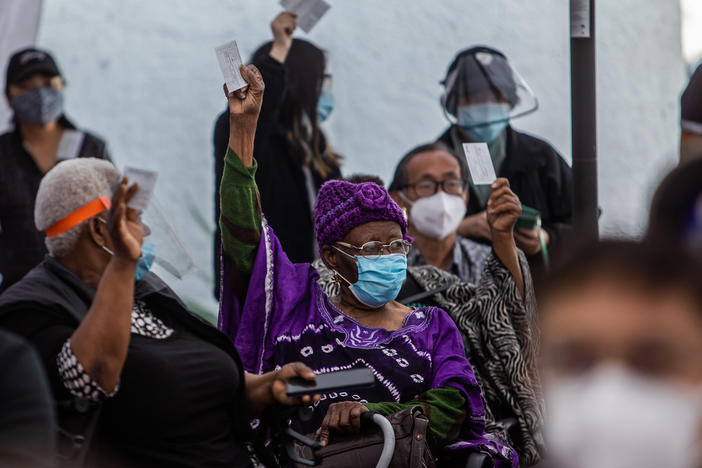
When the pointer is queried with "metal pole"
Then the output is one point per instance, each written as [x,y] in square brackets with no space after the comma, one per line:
[584,118]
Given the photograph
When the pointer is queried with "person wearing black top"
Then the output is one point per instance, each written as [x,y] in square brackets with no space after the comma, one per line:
[293,154]
[691,118]
[164,387]
[27,424]
[41,136]
[483,93]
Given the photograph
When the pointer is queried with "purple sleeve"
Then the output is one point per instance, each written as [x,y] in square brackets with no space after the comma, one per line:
[280,295]
[451,367]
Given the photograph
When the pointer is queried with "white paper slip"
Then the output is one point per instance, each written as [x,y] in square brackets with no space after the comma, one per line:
[479,162]
[309,12]
[147,181]
[229,62]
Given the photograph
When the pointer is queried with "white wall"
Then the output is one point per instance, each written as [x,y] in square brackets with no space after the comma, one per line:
[144,75]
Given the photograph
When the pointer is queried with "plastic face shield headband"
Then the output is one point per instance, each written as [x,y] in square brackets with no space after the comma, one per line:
[83,213]
[483,77]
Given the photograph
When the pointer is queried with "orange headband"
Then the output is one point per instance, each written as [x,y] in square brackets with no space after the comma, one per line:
[81,214]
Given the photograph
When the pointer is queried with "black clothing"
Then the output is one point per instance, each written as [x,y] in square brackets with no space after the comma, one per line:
[537,174]
[180,400]
[27,425]
[21,245]
[691,103]
[280,178]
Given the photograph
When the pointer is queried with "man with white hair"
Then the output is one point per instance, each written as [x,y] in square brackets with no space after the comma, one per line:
[162,386]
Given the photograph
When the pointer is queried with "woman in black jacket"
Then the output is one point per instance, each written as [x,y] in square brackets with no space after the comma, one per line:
[144,380]
[293,154]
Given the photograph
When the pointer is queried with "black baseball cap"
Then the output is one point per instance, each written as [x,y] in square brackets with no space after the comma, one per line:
[28,61]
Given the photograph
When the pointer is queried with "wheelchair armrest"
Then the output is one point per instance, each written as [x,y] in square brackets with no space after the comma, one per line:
[479,460]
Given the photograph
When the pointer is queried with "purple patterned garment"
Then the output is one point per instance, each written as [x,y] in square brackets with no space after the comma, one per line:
[287,317]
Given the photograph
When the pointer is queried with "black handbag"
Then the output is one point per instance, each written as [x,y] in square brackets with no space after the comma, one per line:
[363,450]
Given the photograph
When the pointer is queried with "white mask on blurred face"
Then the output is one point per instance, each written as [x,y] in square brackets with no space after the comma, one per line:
[615,418]
[436,216]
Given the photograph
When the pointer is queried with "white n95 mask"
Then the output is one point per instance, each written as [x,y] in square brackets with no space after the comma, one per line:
[436,216]
[615,418]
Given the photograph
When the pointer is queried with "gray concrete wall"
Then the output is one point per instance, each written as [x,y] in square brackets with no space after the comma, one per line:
[144,75]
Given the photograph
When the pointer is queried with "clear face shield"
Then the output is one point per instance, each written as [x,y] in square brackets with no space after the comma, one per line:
[483,90]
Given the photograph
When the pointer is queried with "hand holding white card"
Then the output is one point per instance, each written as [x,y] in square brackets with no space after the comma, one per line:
[229,62]
[308,12]
[479,162]
[147,181]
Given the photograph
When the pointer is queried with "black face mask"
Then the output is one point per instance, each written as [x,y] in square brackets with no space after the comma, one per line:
[38,106]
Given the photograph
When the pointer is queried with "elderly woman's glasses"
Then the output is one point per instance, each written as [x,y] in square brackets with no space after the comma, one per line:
[374,249]
[427,188]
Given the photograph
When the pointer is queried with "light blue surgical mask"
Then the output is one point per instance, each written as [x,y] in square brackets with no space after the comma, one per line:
[325,106]
[145,262]
[379,278]
[494,116]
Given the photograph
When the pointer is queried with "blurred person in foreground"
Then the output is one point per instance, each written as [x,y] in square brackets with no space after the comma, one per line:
[274,309]
[431,184]
[621,358]
[293,152]
[137,375]
[691,118]
[483,93]
[42,136]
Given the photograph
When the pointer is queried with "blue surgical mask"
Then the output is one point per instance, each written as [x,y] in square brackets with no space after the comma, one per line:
[325,106]
[379,279]
[496,113]
[145,262]
[38,106]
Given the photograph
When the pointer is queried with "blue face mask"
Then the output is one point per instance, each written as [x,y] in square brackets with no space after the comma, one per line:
[471,115]
[148,254]
[325,106]
[379,279]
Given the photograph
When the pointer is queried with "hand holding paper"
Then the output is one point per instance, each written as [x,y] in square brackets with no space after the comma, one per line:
[146,181]
[503,208]
[309,12]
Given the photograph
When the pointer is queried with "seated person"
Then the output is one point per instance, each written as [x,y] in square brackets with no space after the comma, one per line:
[431,183]
[498,333]
[167,388]
[274,310]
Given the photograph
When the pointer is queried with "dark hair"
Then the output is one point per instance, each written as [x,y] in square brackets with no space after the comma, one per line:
[297,116]
[363,178]
[401,177]
[649,267]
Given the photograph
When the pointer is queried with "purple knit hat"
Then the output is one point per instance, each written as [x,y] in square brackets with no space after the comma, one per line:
[341,206]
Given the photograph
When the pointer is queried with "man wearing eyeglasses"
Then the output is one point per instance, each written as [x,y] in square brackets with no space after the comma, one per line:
[430,183]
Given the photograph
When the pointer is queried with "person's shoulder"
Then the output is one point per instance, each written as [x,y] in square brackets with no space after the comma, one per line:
[445,137]
[539,149]
[13,345]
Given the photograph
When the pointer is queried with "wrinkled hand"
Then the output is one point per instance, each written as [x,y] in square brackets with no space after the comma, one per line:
[503,208]
[282,27]
[475,226]
[528,240]
[288,371]
[245,103]
[123,224]
[342,417]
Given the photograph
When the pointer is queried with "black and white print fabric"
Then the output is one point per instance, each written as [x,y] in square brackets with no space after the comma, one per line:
[76,380]
[79,383]
[501,337]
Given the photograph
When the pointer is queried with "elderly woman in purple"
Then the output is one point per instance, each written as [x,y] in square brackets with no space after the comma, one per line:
[275,311]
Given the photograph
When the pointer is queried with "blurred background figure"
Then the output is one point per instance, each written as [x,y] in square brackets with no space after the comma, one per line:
[431,184]
[41,137]
[483,93]
[622,358]
[293,154]
[691,118]
[27,423]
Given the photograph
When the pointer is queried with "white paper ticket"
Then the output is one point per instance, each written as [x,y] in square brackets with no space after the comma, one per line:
[147,181]
[309,12]
[230,61]
[479,162]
